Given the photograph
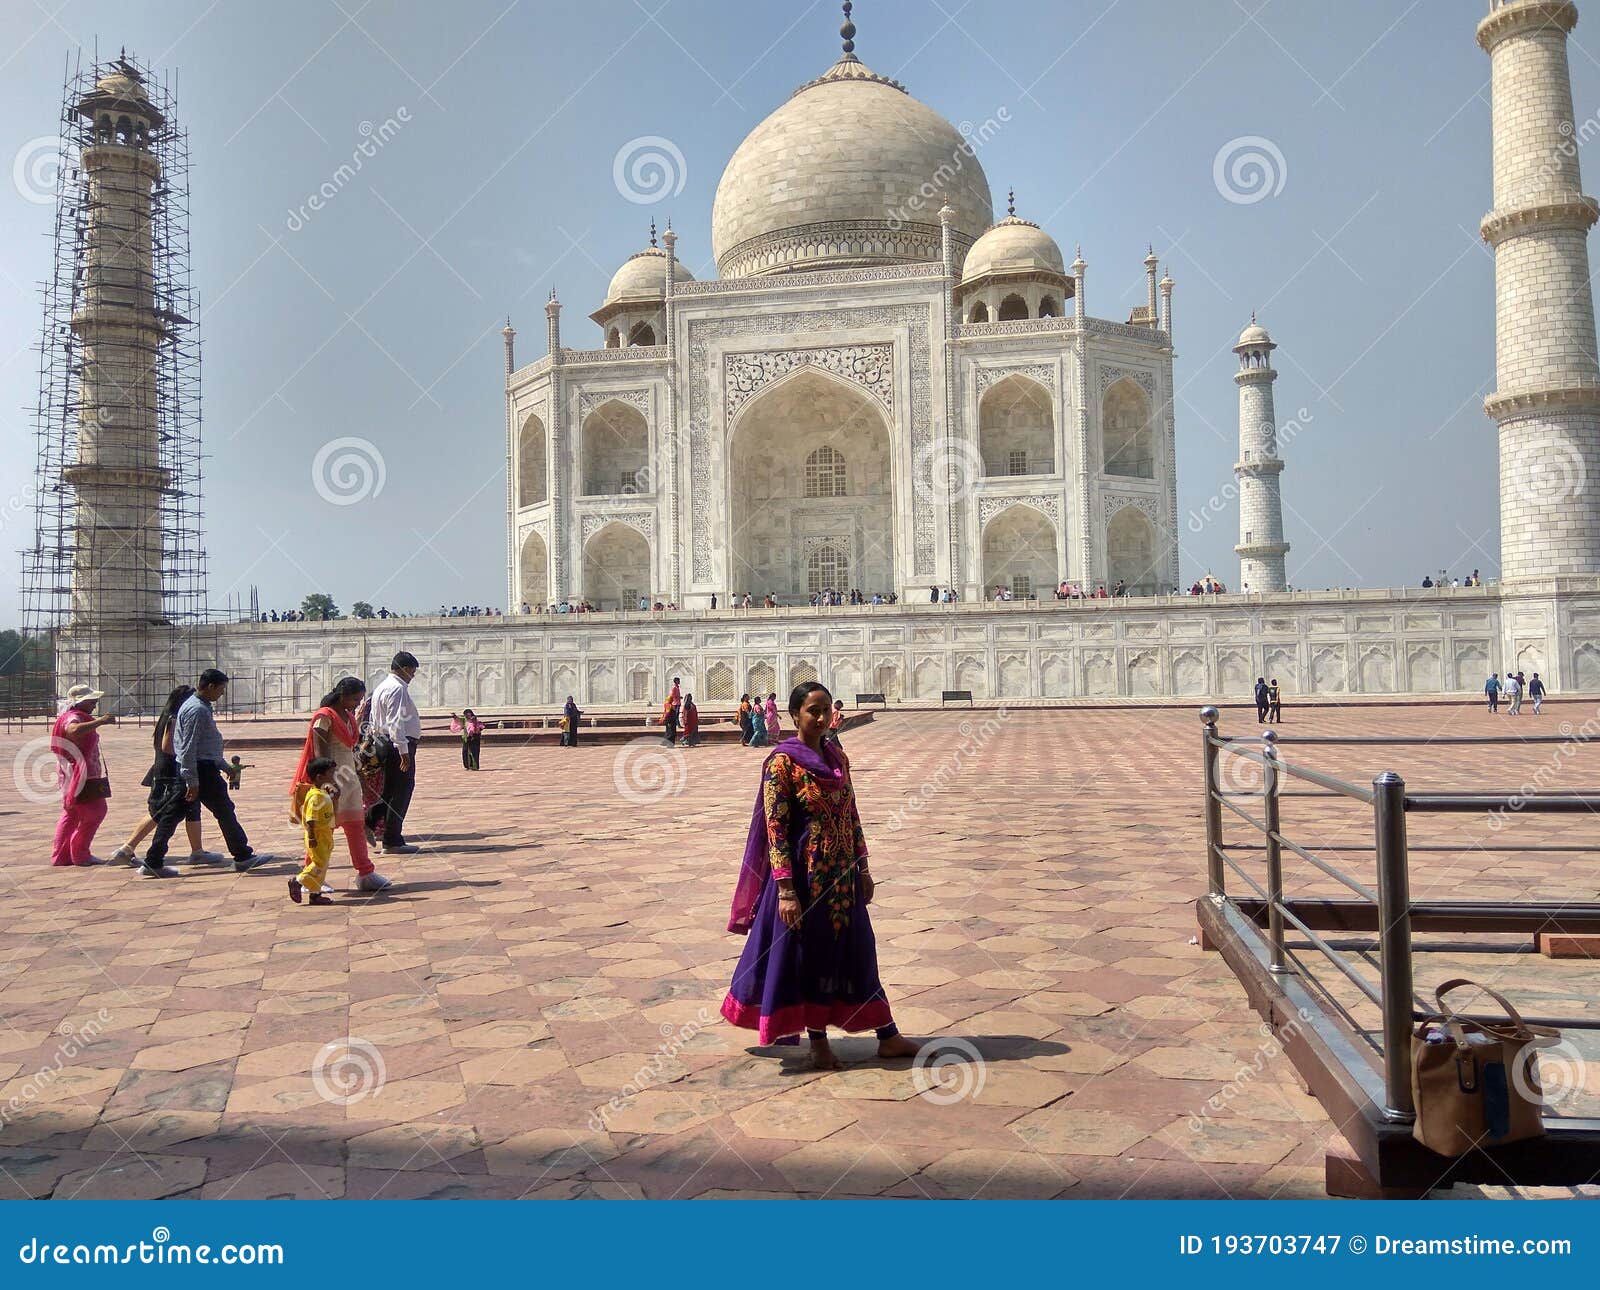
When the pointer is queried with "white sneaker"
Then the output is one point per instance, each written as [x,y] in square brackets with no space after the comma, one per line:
[206,857]
[124,855]
[372,882]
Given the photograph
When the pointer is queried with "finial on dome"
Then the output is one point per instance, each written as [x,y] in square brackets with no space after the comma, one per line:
[1252,315]
[1011,203]
[652,230]
[847,29]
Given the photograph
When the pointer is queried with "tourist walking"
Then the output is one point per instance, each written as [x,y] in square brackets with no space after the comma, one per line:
[744,719]
[394,715]
[758,723]
[569,724]
[332,736]
[669,714]
[773,723]
[197,745]
[1491,687]
[1274,701]
[75,741]
[691,722]
[810,960]
[1262,699]
[1513,689]
[159,779]
[836,723]
[316,809]
[471,730]
[1536,692]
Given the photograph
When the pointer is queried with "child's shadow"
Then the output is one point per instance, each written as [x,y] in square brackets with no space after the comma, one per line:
[941,1056]
[404,890]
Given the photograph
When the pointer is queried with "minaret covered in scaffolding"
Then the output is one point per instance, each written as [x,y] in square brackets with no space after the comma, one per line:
[117,571]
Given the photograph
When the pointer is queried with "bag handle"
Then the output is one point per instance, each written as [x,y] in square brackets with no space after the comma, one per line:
[1458,982]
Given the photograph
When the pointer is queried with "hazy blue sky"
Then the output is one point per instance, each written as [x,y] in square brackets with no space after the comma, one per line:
[380,316]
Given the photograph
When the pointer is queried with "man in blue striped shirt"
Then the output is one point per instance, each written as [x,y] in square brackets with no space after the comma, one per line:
[197,745]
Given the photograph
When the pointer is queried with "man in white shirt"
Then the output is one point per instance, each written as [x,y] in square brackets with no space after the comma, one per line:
[394,715]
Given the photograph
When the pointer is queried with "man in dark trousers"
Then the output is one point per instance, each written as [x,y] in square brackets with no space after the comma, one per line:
[394,714]
[197,746]
[1263,697]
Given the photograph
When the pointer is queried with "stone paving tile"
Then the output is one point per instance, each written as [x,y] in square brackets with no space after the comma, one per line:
[542,1016]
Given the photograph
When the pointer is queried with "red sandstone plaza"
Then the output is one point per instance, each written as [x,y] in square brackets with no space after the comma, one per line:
[533,1009]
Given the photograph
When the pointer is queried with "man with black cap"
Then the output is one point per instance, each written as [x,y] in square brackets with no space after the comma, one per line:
[395,716]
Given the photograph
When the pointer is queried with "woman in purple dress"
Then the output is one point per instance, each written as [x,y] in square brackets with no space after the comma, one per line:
[810,960]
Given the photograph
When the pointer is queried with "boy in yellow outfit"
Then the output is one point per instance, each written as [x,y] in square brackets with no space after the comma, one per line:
[316,813]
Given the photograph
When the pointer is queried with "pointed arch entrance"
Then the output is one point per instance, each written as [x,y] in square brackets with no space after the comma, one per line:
[810,485]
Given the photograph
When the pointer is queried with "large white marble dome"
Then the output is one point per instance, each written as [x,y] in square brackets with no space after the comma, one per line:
[850,171]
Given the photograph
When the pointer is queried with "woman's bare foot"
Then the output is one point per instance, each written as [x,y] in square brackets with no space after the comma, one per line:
[823,1058]
[898,1046]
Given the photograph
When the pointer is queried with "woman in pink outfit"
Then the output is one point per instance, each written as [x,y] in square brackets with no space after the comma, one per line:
[774,723]
[75,741]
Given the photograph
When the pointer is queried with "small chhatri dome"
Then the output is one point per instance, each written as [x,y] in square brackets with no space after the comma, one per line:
[1255,335]
[120,90]
[643,276]
[848,172]
[1013,246]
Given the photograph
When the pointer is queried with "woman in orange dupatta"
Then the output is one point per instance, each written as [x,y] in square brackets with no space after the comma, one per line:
[333,733]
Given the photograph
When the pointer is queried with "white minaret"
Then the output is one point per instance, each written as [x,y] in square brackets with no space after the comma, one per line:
[1547,396]
[1259,468]
[117,477]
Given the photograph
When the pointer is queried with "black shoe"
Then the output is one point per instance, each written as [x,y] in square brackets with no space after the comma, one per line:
[318,898]
[294,890]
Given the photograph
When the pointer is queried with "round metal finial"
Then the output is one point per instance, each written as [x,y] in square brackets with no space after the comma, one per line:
[1209,714]
[1011,202]
[847,29]
[652,231]
[1270,738]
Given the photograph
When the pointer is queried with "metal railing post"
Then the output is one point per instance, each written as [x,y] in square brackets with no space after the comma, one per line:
[1394,939]
[1208,751]
[1270,817]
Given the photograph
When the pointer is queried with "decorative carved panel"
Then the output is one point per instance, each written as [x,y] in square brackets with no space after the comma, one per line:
[989,507]
[869,366]
[589,400]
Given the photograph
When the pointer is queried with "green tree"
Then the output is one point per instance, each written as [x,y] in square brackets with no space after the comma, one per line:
[319,607]
[361,609]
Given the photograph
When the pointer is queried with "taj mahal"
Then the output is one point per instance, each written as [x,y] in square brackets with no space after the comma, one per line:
[885,388]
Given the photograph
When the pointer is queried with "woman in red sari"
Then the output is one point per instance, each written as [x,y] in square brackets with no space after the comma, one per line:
[75,741]
[333,733]
[810,960]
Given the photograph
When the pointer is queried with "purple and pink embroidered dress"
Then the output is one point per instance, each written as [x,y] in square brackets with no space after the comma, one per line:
[824,972]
